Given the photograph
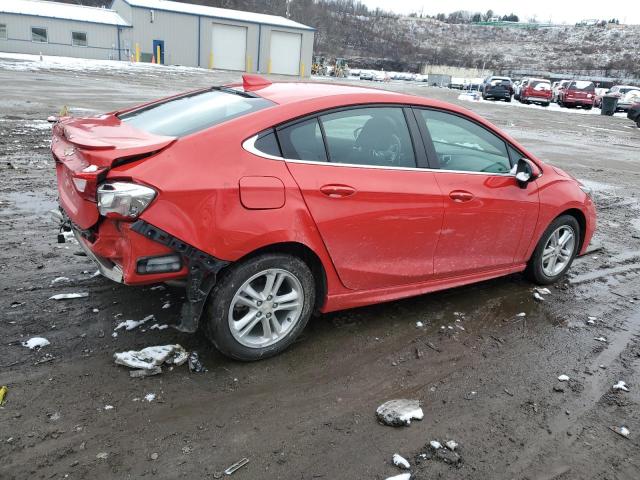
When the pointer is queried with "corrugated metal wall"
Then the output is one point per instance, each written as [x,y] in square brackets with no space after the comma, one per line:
[102,39]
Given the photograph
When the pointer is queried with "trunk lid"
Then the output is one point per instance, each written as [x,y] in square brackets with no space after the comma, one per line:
[85,149]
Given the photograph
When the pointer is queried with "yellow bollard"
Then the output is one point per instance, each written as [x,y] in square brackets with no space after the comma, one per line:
[302,69]
[137,52]
[249,63]
[211,61]
[269,66]
[158,57]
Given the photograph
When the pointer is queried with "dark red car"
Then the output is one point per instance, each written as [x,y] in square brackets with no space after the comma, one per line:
[536,90]
[577,93]
[274,200]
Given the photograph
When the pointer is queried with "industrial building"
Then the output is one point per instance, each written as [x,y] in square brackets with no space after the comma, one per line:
[162,31]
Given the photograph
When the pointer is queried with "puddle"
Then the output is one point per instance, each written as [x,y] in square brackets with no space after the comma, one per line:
[27,202]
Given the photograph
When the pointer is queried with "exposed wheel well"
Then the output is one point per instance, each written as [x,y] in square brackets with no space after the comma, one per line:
[306,255]
[582,221]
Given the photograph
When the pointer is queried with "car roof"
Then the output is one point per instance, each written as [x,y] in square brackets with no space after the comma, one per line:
[290,92]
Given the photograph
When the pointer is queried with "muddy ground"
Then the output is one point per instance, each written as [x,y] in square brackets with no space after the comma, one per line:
[489,382]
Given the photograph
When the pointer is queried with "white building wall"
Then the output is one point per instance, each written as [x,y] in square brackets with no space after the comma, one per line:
[267,56]
[102,40]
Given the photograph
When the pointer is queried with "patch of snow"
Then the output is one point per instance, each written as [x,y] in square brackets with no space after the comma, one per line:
[166,305]
[60,280]
[90,169]
[131,324]
[563,378]
[543,291]
[399,412]
[419,324]
[402,476]
[67,296]
[451,445]
[108,407]
[151,357]
[400,461]
[157,326]
[36,342]
[436,445]
[150,397]
[538,297]
[621,386]
[601,339]
[521,314]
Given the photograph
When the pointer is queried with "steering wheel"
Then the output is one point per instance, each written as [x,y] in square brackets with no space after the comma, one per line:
[392,153]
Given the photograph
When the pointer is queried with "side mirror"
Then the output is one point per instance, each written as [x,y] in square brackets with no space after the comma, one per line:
[526,172]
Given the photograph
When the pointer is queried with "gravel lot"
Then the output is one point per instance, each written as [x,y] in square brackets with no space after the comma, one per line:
[489,382]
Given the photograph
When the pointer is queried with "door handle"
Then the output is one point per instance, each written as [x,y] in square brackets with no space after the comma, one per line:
[461,196]
[337,191]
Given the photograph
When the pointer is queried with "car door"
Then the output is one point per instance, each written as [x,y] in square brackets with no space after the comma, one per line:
[487,216]
[379,215]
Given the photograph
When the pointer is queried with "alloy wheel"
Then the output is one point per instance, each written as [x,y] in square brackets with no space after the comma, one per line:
[558,251]
[266,308]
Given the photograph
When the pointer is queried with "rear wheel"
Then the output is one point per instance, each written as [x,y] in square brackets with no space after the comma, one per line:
[508,99]
[260,306]
[555,251]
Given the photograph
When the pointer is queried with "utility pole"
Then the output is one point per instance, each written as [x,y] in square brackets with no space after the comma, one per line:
[288,11]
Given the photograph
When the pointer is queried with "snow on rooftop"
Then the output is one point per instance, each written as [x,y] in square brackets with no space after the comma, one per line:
[225,13]
[39,8]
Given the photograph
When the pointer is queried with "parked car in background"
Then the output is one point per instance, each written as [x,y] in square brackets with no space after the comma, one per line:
[518,88]
[578,93]
[597,100]
[475,84]
[366,75]
[325,197]
[457,83]
[536,90]
[626,95]
[557,87]
[354,72]
[380,77]
[497,88]
[633,113]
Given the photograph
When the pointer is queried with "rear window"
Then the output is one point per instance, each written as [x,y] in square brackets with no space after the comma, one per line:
[540,85]
[500,81]
[583,86]
[193,112]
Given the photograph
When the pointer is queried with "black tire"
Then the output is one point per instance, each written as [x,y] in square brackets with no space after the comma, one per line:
[545,104]
[216,320]
[638,122]
[534,269]
[508,99]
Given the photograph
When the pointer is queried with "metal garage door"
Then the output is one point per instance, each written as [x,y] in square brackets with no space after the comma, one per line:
[229,47]
[285,53]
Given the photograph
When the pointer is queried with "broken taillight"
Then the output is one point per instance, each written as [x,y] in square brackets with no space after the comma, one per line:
[123,200]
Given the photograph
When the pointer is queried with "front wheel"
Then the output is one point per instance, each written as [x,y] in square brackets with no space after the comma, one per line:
[555,252]
[260,306]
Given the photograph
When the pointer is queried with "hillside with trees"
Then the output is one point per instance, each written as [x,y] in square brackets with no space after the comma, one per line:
[379,39]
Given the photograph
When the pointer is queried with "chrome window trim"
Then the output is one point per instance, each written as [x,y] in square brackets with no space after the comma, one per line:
[249,146]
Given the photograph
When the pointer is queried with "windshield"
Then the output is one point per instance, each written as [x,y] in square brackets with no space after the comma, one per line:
[193,112]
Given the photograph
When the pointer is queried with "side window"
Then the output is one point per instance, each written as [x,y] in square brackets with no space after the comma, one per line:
[267,143]
[376,136]
[39,35]
[79,39]
[3,31]
[303,141]
[463,145]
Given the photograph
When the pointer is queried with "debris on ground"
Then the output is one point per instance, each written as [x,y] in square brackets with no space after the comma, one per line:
[3,394]
[36,342]
[102,456]
[68,296]
[563,378]
[195,365]
[157,326]
[145,372]
[239,464]
[543,291]
[400,462]
[150,358]
[538,297]
[402,476]
[60,280]
[621,386]
[601,339]
[446,453]
[166,305]
[150,397]
[521,314]
[108,407]
[399,412]
[623,431]
[419,324]
[154,456]
[131,324]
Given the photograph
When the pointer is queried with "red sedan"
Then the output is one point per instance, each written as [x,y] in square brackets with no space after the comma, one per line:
[274,200]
